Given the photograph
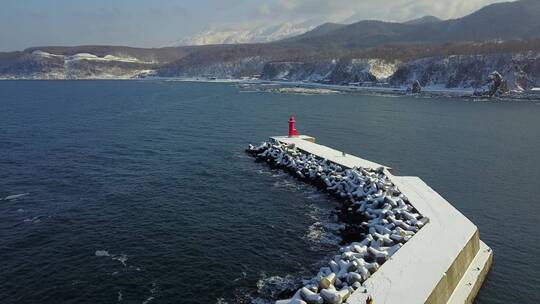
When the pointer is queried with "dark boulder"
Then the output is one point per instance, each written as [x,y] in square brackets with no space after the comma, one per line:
[416,88]
[496,85]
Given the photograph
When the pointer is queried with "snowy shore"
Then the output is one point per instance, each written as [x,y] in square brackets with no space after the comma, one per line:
[313,88]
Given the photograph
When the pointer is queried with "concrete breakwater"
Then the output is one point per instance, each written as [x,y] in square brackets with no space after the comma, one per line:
[378,219]
[388,256]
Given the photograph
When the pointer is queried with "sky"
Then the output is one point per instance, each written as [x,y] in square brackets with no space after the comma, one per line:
[157,23]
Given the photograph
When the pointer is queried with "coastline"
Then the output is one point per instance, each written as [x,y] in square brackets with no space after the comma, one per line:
[314,85]
[314,88]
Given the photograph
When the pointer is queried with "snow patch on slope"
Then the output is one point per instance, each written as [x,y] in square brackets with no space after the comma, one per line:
[91,57]
[382,69]
[44,65]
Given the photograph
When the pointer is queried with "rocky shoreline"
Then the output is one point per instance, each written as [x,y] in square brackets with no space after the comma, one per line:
[500,76]
[377,220]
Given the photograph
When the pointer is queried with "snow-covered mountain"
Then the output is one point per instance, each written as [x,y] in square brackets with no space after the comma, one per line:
[266,33]
[39,64]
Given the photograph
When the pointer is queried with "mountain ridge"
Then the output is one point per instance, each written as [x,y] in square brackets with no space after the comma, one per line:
[423,20]
[423,49]
[507,20]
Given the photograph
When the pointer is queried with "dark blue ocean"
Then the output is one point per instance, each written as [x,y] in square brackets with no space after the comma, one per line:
[140,192]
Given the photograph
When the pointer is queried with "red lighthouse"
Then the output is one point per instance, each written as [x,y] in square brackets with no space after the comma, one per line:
[292,128]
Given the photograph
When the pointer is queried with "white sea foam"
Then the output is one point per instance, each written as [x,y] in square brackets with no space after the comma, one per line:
[286,184]
[323,233]
[154,288]
[148,300]
[122,258]
[15,196]
[153,291]
[102,253]
[243,276]
[35,219]
[271,287]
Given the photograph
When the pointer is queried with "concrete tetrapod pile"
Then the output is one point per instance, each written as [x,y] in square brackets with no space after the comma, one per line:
[378,220]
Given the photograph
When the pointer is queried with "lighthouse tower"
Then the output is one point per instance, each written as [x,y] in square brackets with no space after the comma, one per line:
[292,127]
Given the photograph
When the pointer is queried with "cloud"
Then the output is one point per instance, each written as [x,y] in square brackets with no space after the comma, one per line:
[161,22]
[265,10]
[392,10]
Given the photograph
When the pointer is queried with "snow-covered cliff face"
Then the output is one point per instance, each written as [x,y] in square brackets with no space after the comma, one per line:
[362,70]
[43,65]
[331,71]
[231,69]
[465,71]
[298,71]
[520,70]
[470,71]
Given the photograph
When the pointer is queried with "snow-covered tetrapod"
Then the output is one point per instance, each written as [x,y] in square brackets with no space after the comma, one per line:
[403,242]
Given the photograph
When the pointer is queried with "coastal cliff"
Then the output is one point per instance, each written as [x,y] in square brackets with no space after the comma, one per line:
[521,70]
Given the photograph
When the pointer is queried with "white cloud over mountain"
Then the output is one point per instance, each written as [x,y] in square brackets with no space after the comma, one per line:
[274,20]
[394,10]
[248,34]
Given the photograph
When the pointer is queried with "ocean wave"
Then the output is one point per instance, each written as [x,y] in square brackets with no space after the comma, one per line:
[221,301]
[122,258]
[153,291]
[14,197]
[286,184]
[35,219]
[275,287]
[101,253]
[243,276]
[324,233]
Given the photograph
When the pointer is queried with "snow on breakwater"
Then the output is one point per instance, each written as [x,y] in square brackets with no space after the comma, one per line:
[378,220]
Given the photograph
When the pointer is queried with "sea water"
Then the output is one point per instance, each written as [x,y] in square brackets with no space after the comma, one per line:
[140,192]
